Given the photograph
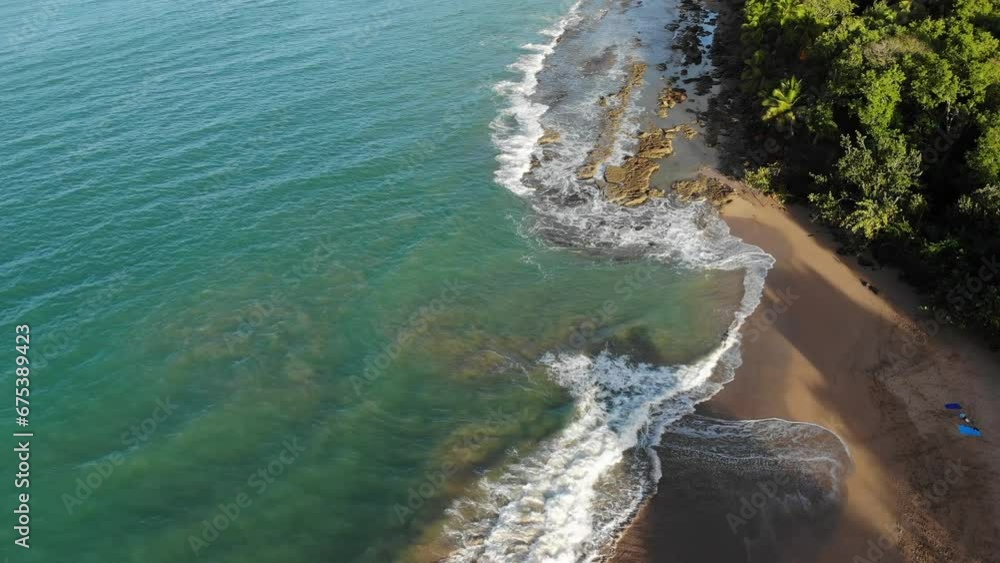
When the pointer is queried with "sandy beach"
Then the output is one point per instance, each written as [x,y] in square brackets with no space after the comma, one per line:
[824,347]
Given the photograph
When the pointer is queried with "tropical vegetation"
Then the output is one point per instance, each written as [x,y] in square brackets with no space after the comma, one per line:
[887,120]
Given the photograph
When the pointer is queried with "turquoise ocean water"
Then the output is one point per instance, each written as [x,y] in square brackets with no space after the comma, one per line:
[271,263]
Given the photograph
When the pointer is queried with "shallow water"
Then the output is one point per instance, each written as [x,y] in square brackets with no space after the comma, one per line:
[236,225]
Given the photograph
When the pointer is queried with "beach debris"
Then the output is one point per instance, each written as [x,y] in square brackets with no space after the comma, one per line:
[968,428]
[871,287]
[549,136]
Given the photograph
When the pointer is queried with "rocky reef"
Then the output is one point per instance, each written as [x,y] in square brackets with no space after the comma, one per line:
[616,105]
[703,186]
[629,184]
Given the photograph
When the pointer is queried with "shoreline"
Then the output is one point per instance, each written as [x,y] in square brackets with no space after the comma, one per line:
[818,349]
[844,346]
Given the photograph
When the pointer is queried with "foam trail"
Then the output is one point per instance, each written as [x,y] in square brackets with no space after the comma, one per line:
[569,500]
[552,507]
[518,140]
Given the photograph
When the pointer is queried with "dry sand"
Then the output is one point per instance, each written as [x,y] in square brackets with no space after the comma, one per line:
[855,362]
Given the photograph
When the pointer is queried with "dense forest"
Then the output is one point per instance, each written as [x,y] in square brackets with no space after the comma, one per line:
[889,119]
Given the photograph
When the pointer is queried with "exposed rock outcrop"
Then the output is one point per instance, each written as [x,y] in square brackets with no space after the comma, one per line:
[702,187]
[616,105]
[670,97]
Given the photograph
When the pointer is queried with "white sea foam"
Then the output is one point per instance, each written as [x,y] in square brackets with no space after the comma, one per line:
[569,500]
[552,507]
[518,140]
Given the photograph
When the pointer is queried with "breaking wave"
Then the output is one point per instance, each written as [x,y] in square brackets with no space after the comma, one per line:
[569,500]
[518,127]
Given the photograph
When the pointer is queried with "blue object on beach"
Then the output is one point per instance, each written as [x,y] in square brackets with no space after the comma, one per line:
[953,406]
[968,430]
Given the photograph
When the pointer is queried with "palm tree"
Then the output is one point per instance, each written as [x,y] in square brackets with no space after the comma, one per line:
[781,103]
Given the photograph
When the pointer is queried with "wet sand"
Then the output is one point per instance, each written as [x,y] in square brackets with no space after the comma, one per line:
[824,348]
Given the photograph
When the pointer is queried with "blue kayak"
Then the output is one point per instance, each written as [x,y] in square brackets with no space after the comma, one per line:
[968,430]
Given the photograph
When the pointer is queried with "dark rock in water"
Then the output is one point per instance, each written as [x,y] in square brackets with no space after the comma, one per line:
[553,97]
[636,343]
[703,84]
[684,72]
[601,62]
[661,67]
[688,42]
